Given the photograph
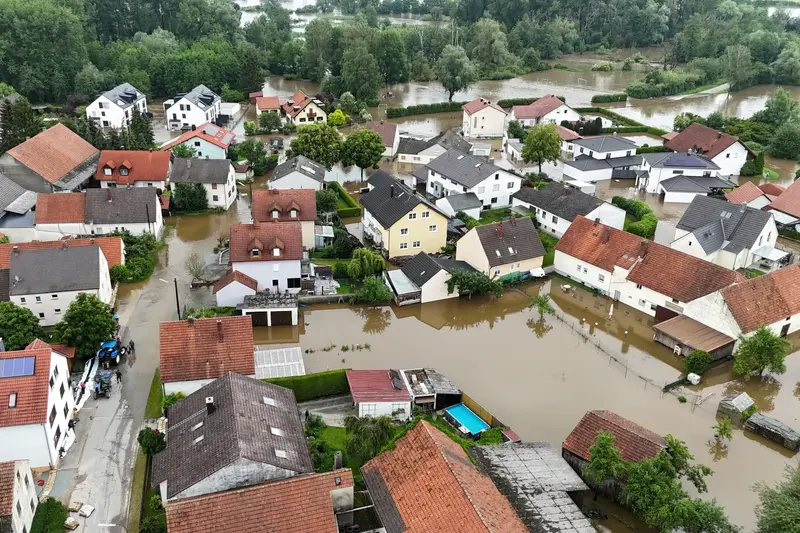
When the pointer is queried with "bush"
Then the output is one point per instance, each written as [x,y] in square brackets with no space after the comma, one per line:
[561,66]
[372,291]
[749,168]
[647,221]
[652,149]
[155,502]
[317,385]
[423,109]
[789,233]
[151,441]
[352,208]
[341,271]
[171,399]
[140,257]
[511,102]
[646,227]
[603,66]
[614,97]
[190,197]
[50,517]
[664,83]
[697,362]
[119,273]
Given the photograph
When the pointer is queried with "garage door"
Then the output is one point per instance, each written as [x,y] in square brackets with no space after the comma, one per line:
[281,318]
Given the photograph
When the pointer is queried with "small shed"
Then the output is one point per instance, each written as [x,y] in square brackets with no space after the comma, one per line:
[684,335]
[430,389]
[774,430]
[379,393]
[734,405]
[481,149]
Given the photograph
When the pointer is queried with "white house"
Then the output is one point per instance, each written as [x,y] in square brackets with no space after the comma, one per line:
[19,501]
[483,119]
[114,108]
[133,168]
[423,279]
[732,236]
[36,407]
[421,152]
[271,253]
[198,106]
[467,203]
[196,351]
[503,249]
[217,177]
[557,205]
[47,280]
[207,140]
[287,205]
[379,393]
[601,158]
[455,172]
[302,109]
[679,176]
[725,151]
[786,206]
[231,290]
[546,110]
[298,172]
[390,135]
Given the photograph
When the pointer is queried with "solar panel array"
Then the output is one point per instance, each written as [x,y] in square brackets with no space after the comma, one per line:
[227,138]
[16,366]
[684,160]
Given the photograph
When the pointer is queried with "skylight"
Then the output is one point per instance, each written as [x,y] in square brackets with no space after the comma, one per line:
[497,252]
[198,439]
[280,453]
[277,431]
[197,426]
[269,401]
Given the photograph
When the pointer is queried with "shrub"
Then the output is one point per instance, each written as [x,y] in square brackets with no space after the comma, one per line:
[750,411]
[697,362]
[646,227]
[603,66]
[171,399]
[561,66]
[118,273]
[372,291]
[317,385]
[789,233]
[50,517]
[511,102]
[614,97]
[633,207]
[682,399]
[352,208]
[424,109]
[155,502]
[749,168]
[652,149]
[151,441]
[341,270]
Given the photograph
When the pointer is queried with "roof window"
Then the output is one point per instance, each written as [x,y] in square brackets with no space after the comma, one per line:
[280,453]
[277,431]
[197,426]
[269,401]
[198,439]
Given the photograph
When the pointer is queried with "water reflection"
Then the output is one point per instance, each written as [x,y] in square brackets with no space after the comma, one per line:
[717,449]
[376,319]
[539,327]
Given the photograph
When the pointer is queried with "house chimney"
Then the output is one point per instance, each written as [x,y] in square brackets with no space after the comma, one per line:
[500,229]
[391,191]
[190,320]
[219,331]
[194,128]
[337,460]
[64,245]
[15,249]
[643,250]
[606,234]
[108,195]
[210,407]
[206,158]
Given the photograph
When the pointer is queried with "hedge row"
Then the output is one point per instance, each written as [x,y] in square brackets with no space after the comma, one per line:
[635,129]
[352,208]
[789,233]
[647,221]
[652,149]
[605,98]
[508,103]
[317,385]
[423,109]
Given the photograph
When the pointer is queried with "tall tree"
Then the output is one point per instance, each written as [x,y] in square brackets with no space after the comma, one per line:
[737,66]
[605,462]
[141,132]
[86,324]
[391,56]
[18,326]
[360,74]
[761,351]
[488,46]
[455,70]
[363,148]
[367,435]
[543,143]
[779,511]
[18,122]
[319,142]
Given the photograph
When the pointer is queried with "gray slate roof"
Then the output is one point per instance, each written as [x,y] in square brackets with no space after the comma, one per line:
[464,169]
[409,145]
[389,202]
[588,163]
[51,270]
[201,96]
[606,143]
[467,200]
[10,191]
[127,206]
[124,95]
[422,267]
[300,164]
[199,170]
[381,177]
[4,288]
[560,200]
[698,184]
[716,224]
[239,428]
[449,140]
[678,160]
[519,241]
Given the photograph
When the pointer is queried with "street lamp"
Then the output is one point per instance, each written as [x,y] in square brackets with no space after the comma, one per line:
[114,525]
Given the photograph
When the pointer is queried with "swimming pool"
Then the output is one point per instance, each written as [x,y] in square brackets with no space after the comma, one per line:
[463,416]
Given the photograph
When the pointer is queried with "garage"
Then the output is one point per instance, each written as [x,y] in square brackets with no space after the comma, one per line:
[268,310]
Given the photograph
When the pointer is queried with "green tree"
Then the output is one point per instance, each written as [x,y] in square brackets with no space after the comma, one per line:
[87,323]
[18,122]
[723,429]
[231,95]
[151,441]
[372,291]
[90,80]
[18,326]
[715,120]
[367,435]
[318,142]
[473,283]
[391,57]
[420,68]
[254,152]
[455,71]
[779,510]
[171,399]
[327,201]
[762,351]
[361,74]
[363,148]
[779,109]
[338,118]
[365,263]
[542,305]
[349,104]
[543,143]
[488,47]
[697,362]
[141,132]
[269,121]
[190,197]
[515,130]
[737,66]
[605,462]
[49,517]
[184,151]
[6,89]
[153,524]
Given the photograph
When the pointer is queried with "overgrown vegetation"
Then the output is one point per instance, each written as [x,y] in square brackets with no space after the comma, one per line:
[763,351]
[549,242]
[50,517]
[155,398]
[472,283]
[697,362]
[372,291]
[210,312]
[606,98]
[347,206]
[140,258]
[779,511]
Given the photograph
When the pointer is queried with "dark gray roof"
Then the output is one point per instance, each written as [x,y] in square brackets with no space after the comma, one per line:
[467,200]
[422,267]
[127,206]
[606,143]
[381,177]
[124,95]
[199,170]
[560,200]
[464,169]
[716,224]
[506,242]
[449,140]
[300,164]
[588,163]
[4,289]
[698,184]
[421,173]
[10,191]
[408,145]
[389,202]
[201,96]
[50,270]
[678,160]
[240,427]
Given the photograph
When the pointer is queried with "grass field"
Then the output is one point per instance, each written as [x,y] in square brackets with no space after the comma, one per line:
[153,409]
[137,490]
[494,215]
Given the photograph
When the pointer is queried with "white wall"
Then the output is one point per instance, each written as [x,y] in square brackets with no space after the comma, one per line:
[206,149]
[54,232]
[589,175]
[644,299]
[307,230]
[53,309]
[265,272]
[111,115]
[302,117]
[556,116]
[225,193]
[26,442]
[295,180]
[242,472]
[687,243]
[731,159]
[436,288]
[767,237]
[154,183]
[712,311]
[25,496]
[609,214]
[187,387]
[505,182]
[488,122]
[191,115]
[680,197]
[61,403]
[233,294]
[550,223]
[376,409]
[446,208]
[659,174]
[582,150]
[587,274]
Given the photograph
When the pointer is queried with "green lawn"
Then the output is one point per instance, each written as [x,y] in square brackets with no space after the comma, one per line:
[494,215]
[336,439]
[137,490]
[769,173]
[549,242]
[153,409]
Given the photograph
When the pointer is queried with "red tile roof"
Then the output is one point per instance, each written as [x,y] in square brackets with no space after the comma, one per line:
[60,208]
[298,102]
[789,200]
[7,488]
[300,504]
[238,277]
[112,248]
[772,188]
[600,245]
[221,137]
[375,386]
[435,487]
[32,391]
[387,131]
[53,153]
[268,102]
[635,443]
[479,104]
[746,192]
[63,349]
[265,237]
[566,133]
[708,141]
[539,108]
[208,348]
[142,165]
[670,135]
[766,299]
[284,200]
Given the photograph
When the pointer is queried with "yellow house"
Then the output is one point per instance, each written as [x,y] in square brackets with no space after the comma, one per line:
[502,249]
[401,221]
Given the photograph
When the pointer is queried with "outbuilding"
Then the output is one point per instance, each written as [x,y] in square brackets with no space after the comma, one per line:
[379,393]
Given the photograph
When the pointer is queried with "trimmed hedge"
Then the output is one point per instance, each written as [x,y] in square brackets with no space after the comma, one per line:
[317,385]
[424,109]
[511,102]
[605,98]
[652,149]
[352,209]
[647,221]
[635,129]
[789,233]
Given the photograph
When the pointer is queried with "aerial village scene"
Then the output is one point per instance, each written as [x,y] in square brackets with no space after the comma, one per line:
[400,266]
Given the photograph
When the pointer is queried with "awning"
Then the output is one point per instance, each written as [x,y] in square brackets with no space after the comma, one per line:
[768,252]
[693,334]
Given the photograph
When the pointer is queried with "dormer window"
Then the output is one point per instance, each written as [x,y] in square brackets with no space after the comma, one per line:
[106,171]
[276,252]
[274,213]
[123,171]
[293,213]
[255,252]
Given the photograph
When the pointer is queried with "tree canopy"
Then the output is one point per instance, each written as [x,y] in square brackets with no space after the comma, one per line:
[87,323]
[762,351]
[318,142]
[779,511]
[542,143]
[18,326]
[363,148]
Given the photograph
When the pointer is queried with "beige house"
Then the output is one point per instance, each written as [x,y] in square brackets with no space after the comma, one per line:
[401,221]
[502,249]
[302,109]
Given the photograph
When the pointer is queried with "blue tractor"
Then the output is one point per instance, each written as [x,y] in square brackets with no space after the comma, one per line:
[111,352]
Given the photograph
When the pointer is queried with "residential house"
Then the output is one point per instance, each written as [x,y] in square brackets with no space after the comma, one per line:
[133,168]
[427,483]
[298,172]
[379,393]
[215,175]
[455,172]
[98,211]
[56,159]
[47,280]
[467,203]
[269,253]
[36,406]
[197,351]
[732,236]
[402,222]
[785,208]
[503,249]
[680,176]
[303,109]
[243,170]
[602,158]
[483,119]
[430,390]
[18,498]
[242,431]
[748,193]
[546,110]
[421,152]
[389,135]
[725,151]
[231,290]
[308,503]
[198,106]
[513,147]
[290,205]
[423,279]
[112,247]
[556,206]
[637,272]
[207,140]
[267,104]
[115,108]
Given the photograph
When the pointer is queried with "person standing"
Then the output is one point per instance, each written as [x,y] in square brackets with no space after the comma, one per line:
[119,376]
